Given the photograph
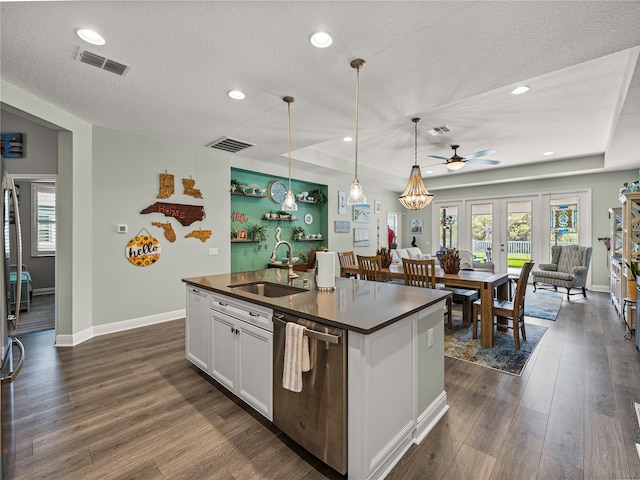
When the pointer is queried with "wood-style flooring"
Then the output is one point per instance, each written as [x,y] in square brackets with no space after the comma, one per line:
[41,316]
[129,406]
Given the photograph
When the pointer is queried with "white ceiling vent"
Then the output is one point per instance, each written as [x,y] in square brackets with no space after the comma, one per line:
[229,144]
[435,131]
[101,62]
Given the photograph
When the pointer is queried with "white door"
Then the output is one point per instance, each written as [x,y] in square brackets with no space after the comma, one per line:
[223,349]
[197,330]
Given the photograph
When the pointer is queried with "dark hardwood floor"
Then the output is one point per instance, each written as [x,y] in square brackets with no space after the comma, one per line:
[129,406]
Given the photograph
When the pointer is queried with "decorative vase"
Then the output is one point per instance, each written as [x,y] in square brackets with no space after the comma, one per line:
[385,256]
[450,261]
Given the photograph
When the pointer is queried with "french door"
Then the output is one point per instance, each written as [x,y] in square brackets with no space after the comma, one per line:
[502,231]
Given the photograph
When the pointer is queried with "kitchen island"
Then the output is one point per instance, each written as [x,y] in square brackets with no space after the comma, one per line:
[393,362]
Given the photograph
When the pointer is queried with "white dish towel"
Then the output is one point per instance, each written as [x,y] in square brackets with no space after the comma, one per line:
[296,356]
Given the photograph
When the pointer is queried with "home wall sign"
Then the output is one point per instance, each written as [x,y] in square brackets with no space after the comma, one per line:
[169,234]
[143,249]
[185,214]
[167,185]
[203,235]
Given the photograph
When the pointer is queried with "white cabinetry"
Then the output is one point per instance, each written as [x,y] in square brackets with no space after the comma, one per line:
[242,351]
[232,341]
[198,327]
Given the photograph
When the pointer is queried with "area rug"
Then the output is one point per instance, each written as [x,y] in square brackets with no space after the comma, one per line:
[542,304]
[503,356]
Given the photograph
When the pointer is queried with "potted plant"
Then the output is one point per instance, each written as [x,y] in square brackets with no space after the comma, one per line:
[235,184]
[633,272]
[259,233]
[319,197]
[298,233]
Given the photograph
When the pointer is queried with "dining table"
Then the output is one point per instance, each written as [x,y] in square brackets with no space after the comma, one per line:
[489,285]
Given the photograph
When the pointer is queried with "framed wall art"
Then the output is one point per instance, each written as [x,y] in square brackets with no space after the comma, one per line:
[361,213]
[377,206]
[360,237]
[342,226]
[416,225]
[342,203]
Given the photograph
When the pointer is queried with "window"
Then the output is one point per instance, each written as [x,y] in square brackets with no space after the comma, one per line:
[43,231]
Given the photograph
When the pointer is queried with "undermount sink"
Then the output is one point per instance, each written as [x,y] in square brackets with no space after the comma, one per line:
[267,289]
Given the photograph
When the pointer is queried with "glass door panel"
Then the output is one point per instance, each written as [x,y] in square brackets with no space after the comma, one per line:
[519,234]
[482,232]
[448,227]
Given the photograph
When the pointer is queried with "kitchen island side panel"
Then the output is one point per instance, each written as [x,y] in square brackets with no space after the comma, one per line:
[396,384]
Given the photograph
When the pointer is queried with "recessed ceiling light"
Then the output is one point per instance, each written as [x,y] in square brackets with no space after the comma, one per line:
[236,94]
[90,36]
[428,172]
[519,90]
[320,39]
[548,153]
[347,139]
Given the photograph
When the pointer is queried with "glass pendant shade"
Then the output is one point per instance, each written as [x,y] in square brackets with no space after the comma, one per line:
[416,196]
[289,204]
[356,195]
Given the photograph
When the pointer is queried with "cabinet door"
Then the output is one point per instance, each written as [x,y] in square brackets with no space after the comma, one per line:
[223,350]
[256,368]
[198,328]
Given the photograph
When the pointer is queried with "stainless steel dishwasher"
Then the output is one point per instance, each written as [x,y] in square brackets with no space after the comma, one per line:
[316,417]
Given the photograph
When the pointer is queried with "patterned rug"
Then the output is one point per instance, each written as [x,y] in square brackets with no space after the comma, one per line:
[503,356]
[542,304]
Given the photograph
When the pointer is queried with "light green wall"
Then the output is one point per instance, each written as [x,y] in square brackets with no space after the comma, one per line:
[126,180]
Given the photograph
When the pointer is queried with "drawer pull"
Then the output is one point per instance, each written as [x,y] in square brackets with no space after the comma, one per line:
[254,314]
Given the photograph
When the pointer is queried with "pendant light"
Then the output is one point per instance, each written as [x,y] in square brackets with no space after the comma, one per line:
[356,195]
[289,204]
[416,196]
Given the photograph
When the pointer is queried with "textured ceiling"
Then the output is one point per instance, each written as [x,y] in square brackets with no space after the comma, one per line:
[450,63]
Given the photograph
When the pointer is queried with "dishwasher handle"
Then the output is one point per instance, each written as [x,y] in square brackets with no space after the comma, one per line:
[323,337]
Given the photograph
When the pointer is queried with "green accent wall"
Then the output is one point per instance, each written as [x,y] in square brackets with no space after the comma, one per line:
[247,256]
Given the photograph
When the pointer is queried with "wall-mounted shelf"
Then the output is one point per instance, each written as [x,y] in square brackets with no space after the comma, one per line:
[313,202]
[309,239]
[243,240]
[291,219]
[254,195]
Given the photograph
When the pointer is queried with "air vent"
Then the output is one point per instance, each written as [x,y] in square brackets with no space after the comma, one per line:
[102,62]
[229,144]
[435,131]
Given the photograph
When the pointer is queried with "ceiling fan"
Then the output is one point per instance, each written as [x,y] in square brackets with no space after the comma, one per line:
[456,162]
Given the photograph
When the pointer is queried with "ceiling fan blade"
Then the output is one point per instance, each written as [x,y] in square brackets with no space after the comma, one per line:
[483,161]
[481,153]
[438,156]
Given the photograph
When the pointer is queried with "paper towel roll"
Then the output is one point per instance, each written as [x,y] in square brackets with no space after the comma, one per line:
[326,269]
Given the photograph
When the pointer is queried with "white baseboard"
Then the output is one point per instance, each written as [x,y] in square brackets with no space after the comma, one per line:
[600,288]
[84,335]
[44,291]
[430,417]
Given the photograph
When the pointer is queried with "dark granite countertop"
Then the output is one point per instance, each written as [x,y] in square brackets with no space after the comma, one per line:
[356,305]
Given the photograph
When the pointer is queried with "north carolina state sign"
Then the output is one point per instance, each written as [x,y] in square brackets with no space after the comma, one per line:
[185,214]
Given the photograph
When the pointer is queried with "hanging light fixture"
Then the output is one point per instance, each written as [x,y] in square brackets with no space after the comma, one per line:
[356,195]
[289,204]
[416,196]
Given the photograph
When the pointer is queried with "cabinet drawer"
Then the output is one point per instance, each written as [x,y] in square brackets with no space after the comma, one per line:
[248,312]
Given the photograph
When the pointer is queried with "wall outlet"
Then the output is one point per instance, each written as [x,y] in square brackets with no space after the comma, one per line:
[121,228]
[430,338]
[213,251]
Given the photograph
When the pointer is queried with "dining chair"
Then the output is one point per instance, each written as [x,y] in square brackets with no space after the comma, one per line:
[370,268]
[512,310]
[346,259]
[422,273]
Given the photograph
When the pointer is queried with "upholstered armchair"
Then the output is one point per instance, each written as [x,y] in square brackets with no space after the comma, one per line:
[568,268]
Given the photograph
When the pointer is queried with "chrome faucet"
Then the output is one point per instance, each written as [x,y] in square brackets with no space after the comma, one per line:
[292,274]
